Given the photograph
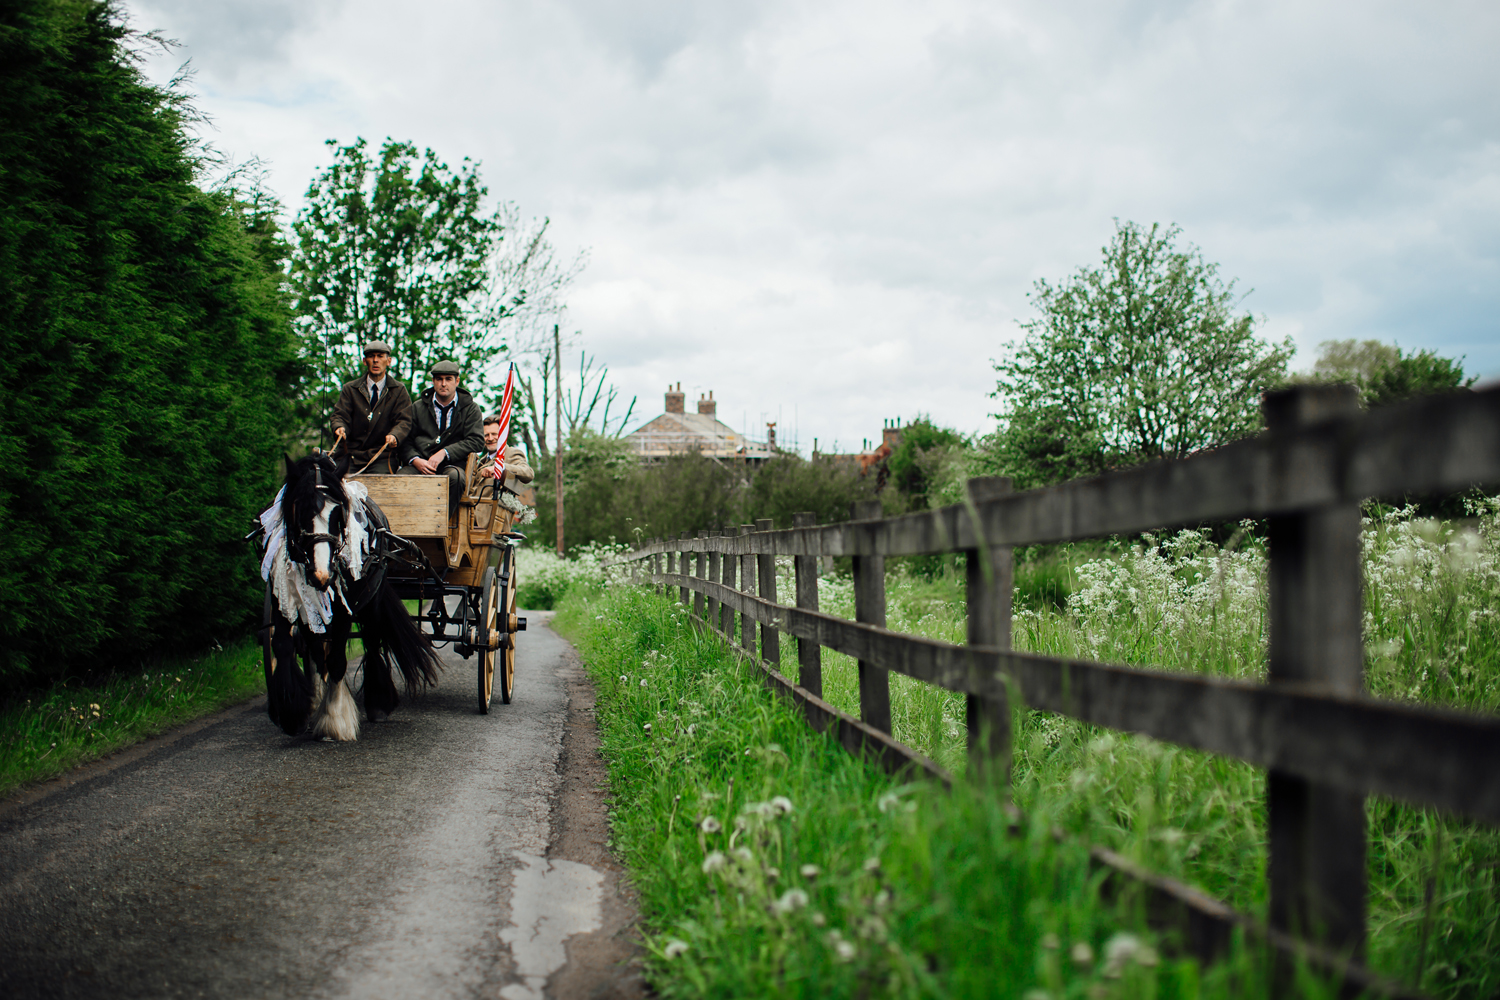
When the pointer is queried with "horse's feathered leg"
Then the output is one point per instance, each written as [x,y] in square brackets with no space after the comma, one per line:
[336,717]
[380,688]
[388,628]
[288,693]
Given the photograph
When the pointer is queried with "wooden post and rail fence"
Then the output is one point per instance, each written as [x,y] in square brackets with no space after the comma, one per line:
[1324,743]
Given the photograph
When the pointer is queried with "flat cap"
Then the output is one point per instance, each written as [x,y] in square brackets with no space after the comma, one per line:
[377,347]
[445,368]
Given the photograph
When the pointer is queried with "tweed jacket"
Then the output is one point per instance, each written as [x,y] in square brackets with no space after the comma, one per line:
[465,431]
[367,428]
[517,470]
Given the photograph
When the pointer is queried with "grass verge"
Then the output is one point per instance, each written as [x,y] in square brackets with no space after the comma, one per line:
[74,722]
[773,864]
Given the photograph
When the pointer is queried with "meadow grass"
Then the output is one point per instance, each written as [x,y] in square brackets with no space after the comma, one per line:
[771,863]
[1182,602]
[47,733]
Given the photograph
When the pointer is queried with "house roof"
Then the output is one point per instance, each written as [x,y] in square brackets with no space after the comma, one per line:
[676,433]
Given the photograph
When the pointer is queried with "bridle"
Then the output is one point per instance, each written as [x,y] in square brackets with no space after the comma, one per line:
[301,546]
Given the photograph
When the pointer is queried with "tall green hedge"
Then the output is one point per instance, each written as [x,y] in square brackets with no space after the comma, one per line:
[147,358]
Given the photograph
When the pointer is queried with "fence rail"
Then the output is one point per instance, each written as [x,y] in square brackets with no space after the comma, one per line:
[1324,743]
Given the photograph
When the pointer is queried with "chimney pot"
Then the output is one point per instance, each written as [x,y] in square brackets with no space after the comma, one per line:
[706,405]
[675,399]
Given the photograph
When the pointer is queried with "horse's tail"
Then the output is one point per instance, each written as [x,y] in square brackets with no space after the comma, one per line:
[387,627]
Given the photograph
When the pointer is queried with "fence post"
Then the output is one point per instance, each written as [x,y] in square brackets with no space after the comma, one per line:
[671,565]
[713,575]
[700,571]
[682,565]
[770,638]
[809,654]
[989,578]
[869,607]
[747,586]
[1317,833]
[657,565]
[726,577]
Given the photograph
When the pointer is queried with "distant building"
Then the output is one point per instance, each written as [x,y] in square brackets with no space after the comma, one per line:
[677,432]
[868,457]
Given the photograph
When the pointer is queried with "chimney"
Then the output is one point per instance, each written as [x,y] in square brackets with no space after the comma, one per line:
[891,435]
[707,406]
[675,399]
[770,437]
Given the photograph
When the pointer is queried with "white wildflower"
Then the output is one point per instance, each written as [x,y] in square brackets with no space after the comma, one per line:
[714,861]
[792,899]
[809,871]
[781,804]
[674,948]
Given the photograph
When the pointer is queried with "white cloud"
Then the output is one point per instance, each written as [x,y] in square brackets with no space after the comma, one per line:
[837,210]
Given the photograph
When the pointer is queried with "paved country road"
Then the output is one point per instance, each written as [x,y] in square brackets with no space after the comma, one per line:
[444,854]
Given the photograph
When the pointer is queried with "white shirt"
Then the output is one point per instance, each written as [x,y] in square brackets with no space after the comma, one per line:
[371,384]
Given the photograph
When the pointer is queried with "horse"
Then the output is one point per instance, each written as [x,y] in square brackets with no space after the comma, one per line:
[324,554]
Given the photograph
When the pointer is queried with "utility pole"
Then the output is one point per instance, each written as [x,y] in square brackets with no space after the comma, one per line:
[558,454]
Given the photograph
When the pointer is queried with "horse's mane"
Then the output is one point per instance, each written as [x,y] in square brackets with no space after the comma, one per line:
[303,482]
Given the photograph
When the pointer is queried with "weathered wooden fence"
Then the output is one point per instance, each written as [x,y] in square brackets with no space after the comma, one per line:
[1324,744]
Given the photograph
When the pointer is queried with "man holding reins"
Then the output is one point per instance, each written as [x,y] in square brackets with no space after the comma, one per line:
[373,412]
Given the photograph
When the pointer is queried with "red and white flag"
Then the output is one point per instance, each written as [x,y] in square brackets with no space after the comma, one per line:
[510,387]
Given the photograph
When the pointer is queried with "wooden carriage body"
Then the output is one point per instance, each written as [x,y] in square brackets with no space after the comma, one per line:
[457,545]
[464,582]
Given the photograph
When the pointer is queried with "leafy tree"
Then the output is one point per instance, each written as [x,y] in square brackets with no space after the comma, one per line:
[916,467]
[148,354]
[1384,374]
[789,484]
[1141,358]
[399,247]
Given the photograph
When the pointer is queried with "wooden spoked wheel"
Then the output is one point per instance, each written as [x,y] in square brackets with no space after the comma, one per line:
[508,613]
[490,600]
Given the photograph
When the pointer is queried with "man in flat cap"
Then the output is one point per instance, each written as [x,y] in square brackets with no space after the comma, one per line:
[447,425]
[372,412]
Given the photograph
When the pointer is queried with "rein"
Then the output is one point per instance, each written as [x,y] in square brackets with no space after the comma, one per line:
[383,446]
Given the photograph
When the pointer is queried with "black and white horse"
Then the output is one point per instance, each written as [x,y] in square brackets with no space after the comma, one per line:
[323,559]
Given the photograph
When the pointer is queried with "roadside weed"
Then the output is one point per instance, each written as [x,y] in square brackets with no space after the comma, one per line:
[771,863]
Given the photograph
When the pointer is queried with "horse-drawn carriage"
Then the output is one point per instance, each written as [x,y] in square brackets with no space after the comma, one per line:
[461,568]
[339,550]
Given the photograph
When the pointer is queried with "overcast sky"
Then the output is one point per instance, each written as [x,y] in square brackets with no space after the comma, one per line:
[834,212]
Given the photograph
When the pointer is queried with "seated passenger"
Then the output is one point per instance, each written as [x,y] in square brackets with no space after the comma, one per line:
[513,465]
[446,427]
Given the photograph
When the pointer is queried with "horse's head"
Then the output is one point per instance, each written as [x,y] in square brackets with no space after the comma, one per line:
[314,509]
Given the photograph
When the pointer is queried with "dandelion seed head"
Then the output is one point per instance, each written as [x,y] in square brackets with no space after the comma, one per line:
[710,825]
[714,861]
[809,871]
[792,899]
[674,948]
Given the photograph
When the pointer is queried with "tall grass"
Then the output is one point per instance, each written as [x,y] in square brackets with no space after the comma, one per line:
[1432,631]
[773,864]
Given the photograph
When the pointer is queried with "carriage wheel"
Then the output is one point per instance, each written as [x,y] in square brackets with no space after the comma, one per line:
[489,618]
[508,654]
